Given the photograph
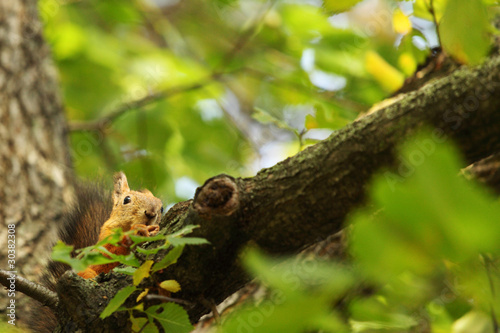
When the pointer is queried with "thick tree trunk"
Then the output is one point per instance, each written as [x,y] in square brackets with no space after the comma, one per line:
[34,156]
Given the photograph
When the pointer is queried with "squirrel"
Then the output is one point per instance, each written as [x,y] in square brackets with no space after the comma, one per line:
[95,214]
[132,210]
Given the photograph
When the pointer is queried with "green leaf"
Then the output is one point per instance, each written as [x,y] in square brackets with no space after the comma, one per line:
[140,322]
[337,6]
[177,238]
[169,259]
[93,255]
[178,241]
[172,317]
[426,213]
[422,9]
[302,297]
[465,29]
[292,275]
[127,270]
[70,42]
[266,118]
[141,239]
[184,231]
[305,22]
[62,253]
[117,301]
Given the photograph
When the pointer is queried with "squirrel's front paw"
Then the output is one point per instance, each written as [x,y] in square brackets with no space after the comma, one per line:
[153,229]
[89,273]
[146,230]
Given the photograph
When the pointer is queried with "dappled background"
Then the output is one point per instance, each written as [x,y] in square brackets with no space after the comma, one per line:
[174,92]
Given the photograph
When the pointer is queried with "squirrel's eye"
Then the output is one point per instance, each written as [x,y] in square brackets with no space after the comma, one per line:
[127,200]
[161,210]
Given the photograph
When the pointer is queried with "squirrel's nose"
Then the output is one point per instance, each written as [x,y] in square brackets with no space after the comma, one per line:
[150,213]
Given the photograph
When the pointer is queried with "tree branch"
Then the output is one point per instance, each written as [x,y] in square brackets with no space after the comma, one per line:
[102,123]
[307,197]
[487,171]
[29,288]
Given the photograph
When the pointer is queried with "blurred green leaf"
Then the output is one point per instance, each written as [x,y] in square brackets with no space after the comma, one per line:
[303,292]
[291,275]
[465,29]
[429,215]
[337,6]
[423,9]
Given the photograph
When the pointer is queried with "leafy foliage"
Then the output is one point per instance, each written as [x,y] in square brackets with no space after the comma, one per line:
[424,258]
[304,292]
[170,316]
[167,89]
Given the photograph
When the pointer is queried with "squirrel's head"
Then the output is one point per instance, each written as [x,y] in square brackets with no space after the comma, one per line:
[134,207]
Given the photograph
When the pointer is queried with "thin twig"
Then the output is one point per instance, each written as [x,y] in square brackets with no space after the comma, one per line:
[143,326]
[168,299]
[487,266]
[210,304]
[329,97]
[34,290]
[245,36]
[434,19]
[102,123]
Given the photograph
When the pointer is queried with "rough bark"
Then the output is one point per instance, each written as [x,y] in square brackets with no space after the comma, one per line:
[307,197]
[34,156]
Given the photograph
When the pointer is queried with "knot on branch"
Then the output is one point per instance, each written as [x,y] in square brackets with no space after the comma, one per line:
[218,196]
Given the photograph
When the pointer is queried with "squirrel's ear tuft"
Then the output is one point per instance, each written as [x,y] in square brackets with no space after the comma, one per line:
[121,185]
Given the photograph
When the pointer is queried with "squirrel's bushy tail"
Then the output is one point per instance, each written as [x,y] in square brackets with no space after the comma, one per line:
[80,227]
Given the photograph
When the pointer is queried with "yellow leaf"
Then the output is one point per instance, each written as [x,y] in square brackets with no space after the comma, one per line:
[311,122]
[141,295]
[139,307]
[170,285]
[142,272]
[389,77]
[407,63]
[401,22]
